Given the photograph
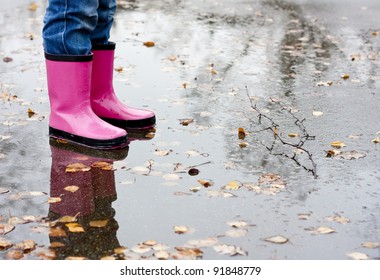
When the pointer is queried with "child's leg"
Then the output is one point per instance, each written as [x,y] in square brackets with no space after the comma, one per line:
[106,12]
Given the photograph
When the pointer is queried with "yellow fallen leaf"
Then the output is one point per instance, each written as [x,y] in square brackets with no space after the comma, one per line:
[57,232]
[74,227]
[98,223]
[33,7]
[102,165]
[292,135]
[337,144]
[345,76]
[77,167]
[31,113]
[54,200]
[68,219]
[232,186]
[71,188]
[241,133]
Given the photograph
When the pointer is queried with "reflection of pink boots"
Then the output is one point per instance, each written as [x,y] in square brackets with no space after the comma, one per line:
[71,117]
[103,99]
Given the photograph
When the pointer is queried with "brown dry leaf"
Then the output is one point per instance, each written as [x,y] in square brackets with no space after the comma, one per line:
[150,243]
[102,165]
[189,252]
[98,223]
[31,113]
[241,133]
[345,76]
[149,44]
[232,186]
[3,190]
[6,228]
[26,246]
[14,255]
[119,69]
[75,258]
[321,230]
[161,255]
[77,167]
[229,250]
[5,244]
[56,244]
[371,245]
[47,254]
[186,122]
[181,229]
[357,256]
[208,242]
[270,179]
[332,153]
[54,200]
[376,140]
[71,189]
[74,227]
[160,247]
[326,84]
[205,183]
[337,144]
[293,135]
[57,232]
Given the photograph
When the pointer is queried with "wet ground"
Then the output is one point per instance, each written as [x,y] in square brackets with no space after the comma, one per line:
[294,76]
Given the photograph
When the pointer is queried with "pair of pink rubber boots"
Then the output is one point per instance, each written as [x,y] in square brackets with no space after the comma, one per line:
[84,108]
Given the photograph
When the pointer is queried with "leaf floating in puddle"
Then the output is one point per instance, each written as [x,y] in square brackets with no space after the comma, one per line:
[98,223]
[208,242]
[346,155]
[195,189]
[14,255]
[149,44]
[232,186]
[371,245]
[337,144]
[186,122]
[77,167]
[159,152]
[150,243]
[26,246]
[321,230]
[185,252]
[71,189]
[241,133]
[6,228]
[161,255]
[357,256]
[102,165]
[57,232]
[237,224]
[141,249]
[52,200]
[278,239]
[205,183]
[5,244]
[74,227]
[376,140]
[337,218]
[229,250]
[181,229]
[67,219]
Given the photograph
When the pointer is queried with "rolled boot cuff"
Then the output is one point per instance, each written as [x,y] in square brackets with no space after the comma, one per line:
[69,58]
[104,47]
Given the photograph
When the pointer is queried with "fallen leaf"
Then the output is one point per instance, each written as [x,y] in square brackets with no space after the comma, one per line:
[180,229]
[6,228]
[371,245]
[208,242]
[141,249]
[26,246]
[195,189]
[31,113]
[322,230]
[150,243]
[98,223]
[186,122]
[317,113]
[236,233]
[102,165]
[232,186]
[149,44]
[56,244]
[350,155]
[237,224]
[293,135]
[220,193]
[16,221]
[160,247]
[57,232]
[52,200]
[205,183]
[376,140]
[5,244]
[241,133]
[75,258]
[337,144]
[326,84]
[71,189]
[14,255]
[77,167]
[190,252]
[358,256]
[74,227]
[345,76]
[304,216]
[278,239]
[159,152]
[33,7]
[332,153]
[119,69]
[68,219]
[161,255]
[337,218]
[229,250]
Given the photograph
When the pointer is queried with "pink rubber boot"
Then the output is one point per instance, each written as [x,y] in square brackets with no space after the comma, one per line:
[71,115]
[104,101]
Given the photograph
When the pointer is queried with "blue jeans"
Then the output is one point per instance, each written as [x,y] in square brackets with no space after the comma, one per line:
[72,26]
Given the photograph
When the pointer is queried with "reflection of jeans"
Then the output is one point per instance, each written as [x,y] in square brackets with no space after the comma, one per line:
[70,26]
